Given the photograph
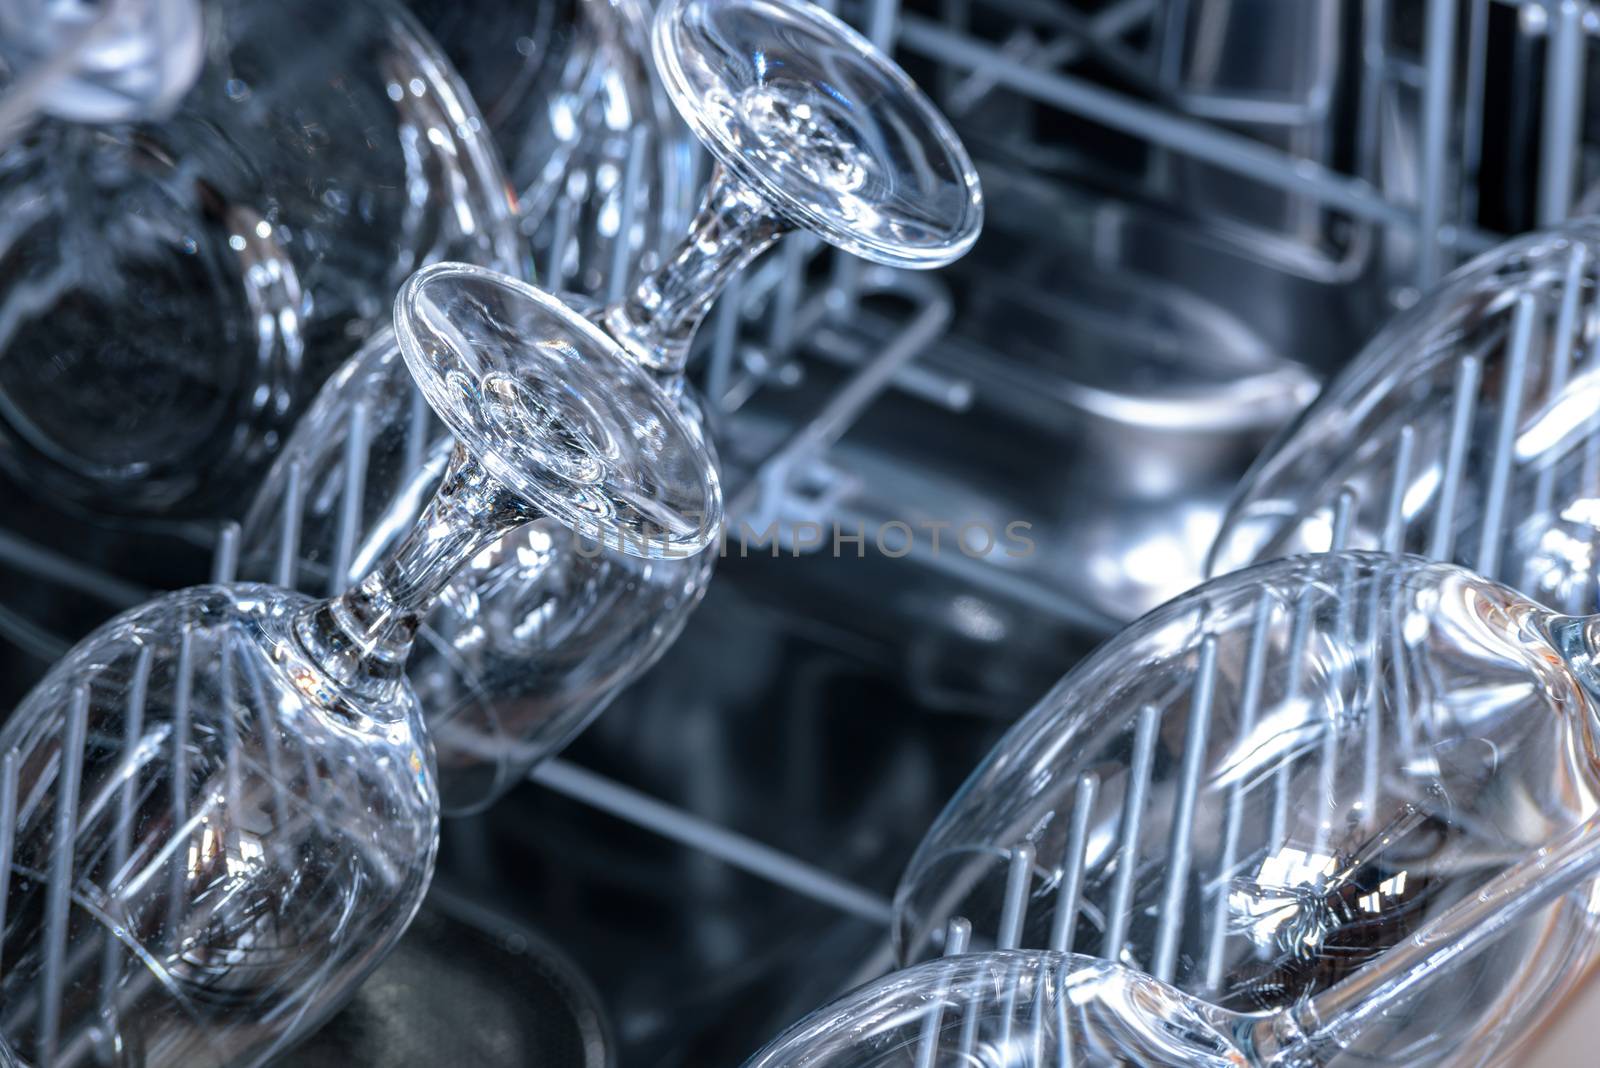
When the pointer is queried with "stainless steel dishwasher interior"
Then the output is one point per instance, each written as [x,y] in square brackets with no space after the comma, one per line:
[1197,210]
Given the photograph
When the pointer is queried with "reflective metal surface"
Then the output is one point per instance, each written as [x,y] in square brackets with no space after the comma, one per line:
[1196,212]
[1278,791]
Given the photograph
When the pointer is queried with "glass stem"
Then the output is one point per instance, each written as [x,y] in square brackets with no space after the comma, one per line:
[657,321]
[363,637]
[1577,639]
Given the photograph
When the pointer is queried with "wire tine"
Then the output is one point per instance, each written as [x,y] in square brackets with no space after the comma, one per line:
[1344,507]
[1327,767]
[1070,892]
[8,835]
[1567,324]
[316,788]
[122,842]
[970,1019]
[1144,745]
[1008,1004]
[957,936]
[230,735]
[73,738]
[724,339]
[180,770]
[1014,908]
[28,804]
[294,505]
[1439,58]
[561,240]
[1373,724]
[622,249]
[132,740]
[1394,521]
[1401,691]
[933,1020]
[1280,800]
[1255,671]
[1181,852]
[225,559]
[1461,412]
[1064,1055]
[1034,1054]
[352,497]
[1560,370]
[269,735]
[1370,699]
[1493,534]
[1561,128]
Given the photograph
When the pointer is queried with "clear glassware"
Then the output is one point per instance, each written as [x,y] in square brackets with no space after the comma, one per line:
[174,289]
[1021,1009]
[1265,789]
[604,169]
[219,811]
[530,644]
[1046,1009]
[1467,430]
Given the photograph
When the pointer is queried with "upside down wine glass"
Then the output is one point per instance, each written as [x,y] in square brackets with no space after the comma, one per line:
[219,811]
[812,128]
[1468,430]
[1046,1009]
[1273,788]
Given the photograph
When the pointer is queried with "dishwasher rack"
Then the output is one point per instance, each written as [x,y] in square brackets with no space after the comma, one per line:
[754,330]
[883,331]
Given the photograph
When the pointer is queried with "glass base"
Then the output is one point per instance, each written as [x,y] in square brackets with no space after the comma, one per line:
[824,126]
[531,640]
[212,845]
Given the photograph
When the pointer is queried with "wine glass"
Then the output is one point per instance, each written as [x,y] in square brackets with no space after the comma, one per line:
[812,128]
[1046,1009]
[220,809]
[1467,430]
[605,172]
[1265,789]
[173,289]
[1025,1009]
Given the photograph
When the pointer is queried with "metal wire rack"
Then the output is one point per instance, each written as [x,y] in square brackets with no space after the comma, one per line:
[786,309]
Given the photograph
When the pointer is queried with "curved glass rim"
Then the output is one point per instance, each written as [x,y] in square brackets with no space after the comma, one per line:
[601,347]
[1401,351]
[895,254]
